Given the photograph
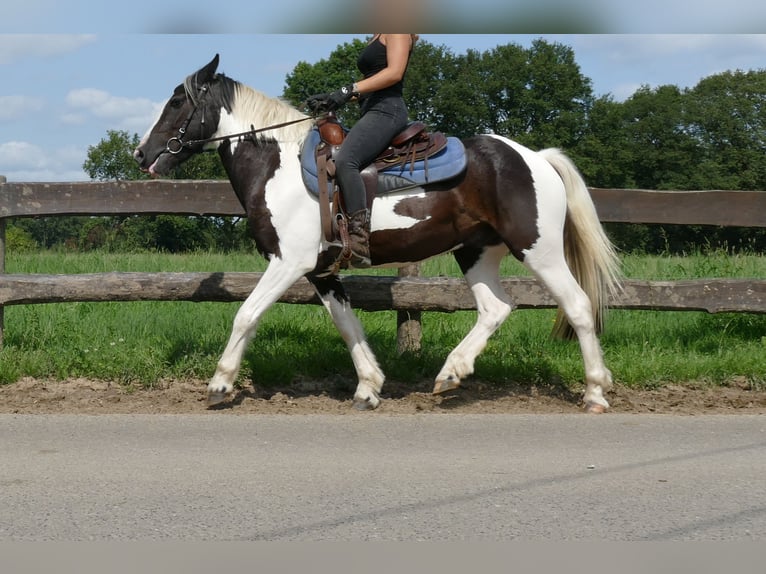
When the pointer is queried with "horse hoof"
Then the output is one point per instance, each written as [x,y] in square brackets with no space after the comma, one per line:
[594,408]
[364,405]
[216,398]
[445,385]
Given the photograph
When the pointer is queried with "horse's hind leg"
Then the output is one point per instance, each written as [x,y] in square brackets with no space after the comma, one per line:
[493,306]
[369,374]
[550,267]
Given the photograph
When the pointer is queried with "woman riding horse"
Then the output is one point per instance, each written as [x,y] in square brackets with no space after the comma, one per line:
[383,63]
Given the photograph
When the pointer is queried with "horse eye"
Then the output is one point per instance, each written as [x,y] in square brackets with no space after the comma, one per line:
[176,102]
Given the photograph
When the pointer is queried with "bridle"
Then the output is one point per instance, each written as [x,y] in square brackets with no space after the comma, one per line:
[182,130]
[175,144]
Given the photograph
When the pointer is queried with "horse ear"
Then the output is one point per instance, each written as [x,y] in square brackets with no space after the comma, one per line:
[207,73]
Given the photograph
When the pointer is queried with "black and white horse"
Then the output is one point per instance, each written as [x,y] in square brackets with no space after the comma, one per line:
[533,204]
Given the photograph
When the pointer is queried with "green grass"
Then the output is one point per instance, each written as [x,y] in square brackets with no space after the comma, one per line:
[146,342]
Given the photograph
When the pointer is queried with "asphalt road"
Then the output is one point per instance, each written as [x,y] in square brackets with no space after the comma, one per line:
[215,477]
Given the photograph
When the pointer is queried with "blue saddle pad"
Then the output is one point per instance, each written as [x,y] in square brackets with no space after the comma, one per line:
[449,162]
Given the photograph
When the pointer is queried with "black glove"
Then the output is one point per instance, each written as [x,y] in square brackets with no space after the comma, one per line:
[332,101]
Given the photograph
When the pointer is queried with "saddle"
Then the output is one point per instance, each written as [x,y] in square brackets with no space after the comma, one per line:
[413,144]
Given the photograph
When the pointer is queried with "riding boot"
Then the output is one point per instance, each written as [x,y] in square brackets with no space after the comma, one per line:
[359,237]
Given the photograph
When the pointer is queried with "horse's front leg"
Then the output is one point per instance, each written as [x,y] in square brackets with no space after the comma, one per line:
[370,377]
[277,278]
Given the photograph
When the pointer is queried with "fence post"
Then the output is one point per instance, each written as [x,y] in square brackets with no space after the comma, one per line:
[2,264]
[408,326]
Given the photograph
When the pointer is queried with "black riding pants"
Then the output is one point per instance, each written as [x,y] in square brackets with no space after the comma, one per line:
[382,119]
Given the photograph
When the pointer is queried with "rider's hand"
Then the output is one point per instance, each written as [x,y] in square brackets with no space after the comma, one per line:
[331,101]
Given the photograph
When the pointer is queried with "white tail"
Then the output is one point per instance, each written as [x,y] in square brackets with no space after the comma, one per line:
[589,253]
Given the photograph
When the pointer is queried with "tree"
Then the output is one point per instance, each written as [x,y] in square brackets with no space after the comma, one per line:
[553,99]
[112,158]
[726,114]
[430,69]
[537,95]
[327,75]
[666,155]
[603,154]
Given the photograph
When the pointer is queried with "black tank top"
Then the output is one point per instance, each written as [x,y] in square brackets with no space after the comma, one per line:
[372,60]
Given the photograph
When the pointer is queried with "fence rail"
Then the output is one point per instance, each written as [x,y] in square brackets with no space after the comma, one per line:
[405,293]
[370,293]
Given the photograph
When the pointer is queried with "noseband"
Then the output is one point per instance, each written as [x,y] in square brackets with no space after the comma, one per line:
[175,144]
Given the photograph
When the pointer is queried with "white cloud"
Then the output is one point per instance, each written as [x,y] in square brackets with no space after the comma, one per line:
[127,113]
[73,119]
[15,107]
[15,155]
[87,98]
[621,63]
[23,161]
[16,47]
[631,48]
[46,175]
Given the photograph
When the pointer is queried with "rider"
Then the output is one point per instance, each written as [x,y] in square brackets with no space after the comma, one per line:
[383,64]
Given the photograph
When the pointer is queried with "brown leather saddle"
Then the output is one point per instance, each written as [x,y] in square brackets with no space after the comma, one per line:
[414,143]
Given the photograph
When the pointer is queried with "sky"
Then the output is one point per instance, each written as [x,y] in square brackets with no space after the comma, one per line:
[68,76]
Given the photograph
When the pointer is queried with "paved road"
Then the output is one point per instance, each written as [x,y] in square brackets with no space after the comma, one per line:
[372,477]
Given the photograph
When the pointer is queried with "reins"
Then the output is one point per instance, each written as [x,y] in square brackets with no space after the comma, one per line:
[177,141]
[175,144]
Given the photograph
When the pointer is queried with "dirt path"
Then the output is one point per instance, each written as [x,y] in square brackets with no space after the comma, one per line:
[174,397]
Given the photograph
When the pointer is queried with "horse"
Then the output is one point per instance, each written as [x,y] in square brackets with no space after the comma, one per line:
[508,199]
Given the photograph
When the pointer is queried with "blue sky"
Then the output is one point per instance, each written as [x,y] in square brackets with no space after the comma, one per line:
[61,91]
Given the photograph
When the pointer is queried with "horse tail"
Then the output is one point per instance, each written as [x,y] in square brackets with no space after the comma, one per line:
[591,257]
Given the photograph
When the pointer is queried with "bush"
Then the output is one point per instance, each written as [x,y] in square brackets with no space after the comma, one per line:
[17,239]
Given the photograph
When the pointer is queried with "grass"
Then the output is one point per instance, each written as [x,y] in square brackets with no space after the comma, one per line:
[146,342]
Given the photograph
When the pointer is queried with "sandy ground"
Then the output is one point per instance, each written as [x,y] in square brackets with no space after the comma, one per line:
[80,396]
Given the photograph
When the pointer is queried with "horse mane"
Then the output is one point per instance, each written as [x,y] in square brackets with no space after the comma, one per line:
[251,107]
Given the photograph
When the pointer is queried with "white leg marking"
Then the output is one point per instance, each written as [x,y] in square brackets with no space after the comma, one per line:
[551,269]
[493,305]
[369,374]
[277,278]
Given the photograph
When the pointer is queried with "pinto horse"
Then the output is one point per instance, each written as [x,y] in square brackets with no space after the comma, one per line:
[534,205]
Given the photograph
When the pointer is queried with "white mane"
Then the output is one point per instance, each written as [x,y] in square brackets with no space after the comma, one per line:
[253,107]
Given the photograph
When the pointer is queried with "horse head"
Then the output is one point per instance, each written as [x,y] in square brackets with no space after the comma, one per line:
[191,114]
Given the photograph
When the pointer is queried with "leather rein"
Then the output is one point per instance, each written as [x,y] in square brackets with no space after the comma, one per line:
[175,144]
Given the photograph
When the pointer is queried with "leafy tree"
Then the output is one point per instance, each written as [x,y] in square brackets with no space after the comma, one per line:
[665,153]
[727,115]
[537,95]
[205,165]
[453,107]
[19,239]
[112,158]
[327,75]
[603,153]
[430,69]
[553,103]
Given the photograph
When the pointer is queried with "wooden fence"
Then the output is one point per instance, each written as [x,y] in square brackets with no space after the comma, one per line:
[407,293]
